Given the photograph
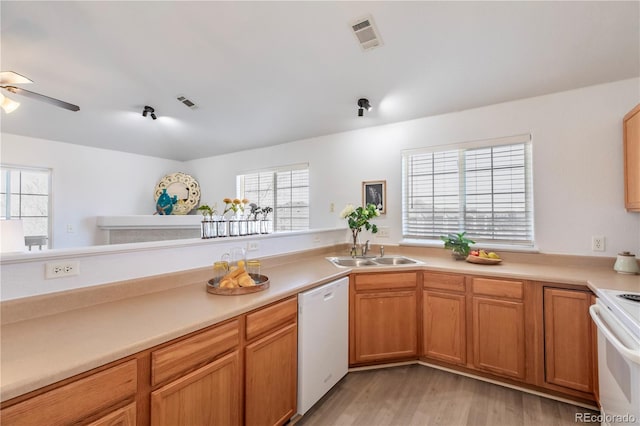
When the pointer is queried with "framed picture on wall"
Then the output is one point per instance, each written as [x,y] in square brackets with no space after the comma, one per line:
[375,192]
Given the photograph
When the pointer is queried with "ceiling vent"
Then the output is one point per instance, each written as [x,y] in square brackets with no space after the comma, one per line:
[187,102]
[366,32]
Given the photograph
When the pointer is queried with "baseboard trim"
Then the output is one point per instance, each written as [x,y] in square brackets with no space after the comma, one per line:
[473,376]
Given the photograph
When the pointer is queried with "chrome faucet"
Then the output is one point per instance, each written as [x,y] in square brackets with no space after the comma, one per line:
[381,251]
[365,248]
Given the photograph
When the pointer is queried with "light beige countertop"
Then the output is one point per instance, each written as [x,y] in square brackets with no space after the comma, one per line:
[40,350]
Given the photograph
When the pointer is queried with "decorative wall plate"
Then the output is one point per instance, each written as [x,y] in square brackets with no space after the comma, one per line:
[185,187]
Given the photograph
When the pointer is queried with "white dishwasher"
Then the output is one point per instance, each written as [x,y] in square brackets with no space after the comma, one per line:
[323,340]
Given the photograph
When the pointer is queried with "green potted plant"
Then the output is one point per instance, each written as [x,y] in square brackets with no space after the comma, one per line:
[458,244]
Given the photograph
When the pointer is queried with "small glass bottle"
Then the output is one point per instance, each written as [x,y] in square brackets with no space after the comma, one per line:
[253,268]
[220,269]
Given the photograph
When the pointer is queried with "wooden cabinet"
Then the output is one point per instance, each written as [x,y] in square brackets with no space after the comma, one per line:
[271,364]
[498,327]
[186,355]
[125,416]
[206,387]
[383,317]
[91,397]
[631,135]
[207,396]
[568,337]
[444,318]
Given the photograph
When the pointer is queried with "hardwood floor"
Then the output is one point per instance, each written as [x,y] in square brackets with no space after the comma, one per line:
[419,395]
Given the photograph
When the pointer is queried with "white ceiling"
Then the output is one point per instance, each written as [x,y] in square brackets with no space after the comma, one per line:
[264,73]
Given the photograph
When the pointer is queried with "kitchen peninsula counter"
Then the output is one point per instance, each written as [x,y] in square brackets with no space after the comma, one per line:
[38,350]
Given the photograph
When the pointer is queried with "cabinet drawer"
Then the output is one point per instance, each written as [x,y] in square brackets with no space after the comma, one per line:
[498,288]
[190,353]
[271,317]
[385,281]
[443,281]
[77,400]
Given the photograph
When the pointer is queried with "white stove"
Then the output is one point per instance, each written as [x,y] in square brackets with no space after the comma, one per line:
[625,306]
[617,316]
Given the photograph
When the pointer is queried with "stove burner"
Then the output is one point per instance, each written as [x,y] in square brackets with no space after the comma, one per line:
[632,297]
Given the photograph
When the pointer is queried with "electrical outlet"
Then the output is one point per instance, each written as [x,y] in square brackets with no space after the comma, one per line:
[383,232]
[61,269]
[597,243]
[253,246]
[332,207]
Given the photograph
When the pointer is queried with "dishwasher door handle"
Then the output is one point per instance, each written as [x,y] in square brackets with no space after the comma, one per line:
[328,296]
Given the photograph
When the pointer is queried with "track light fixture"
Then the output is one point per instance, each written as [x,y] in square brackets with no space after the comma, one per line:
[363,103]
[149,110]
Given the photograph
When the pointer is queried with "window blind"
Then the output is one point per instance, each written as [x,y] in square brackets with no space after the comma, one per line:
[286,189]
[482,188]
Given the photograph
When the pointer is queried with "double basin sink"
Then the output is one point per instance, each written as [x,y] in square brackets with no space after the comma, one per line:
[357,262]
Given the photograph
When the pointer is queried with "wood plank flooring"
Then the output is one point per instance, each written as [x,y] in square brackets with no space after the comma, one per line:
[419,395]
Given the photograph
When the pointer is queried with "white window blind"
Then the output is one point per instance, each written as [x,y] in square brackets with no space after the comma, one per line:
[285,189]
[483,188]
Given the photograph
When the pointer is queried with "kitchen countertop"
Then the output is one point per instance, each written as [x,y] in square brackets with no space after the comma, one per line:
[40,351]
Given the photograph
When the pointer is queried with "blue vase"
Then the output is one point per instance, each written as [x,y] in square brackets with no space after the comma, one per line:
[164,205]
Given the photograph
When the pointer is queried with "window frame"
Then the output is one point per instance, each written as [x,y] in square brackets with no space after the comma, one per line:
[273,171]
[4,168]
[461,148]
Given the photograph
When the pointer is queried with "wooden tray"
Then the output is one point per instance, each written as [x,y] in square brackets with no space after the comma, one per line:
[262,283]
[483,260]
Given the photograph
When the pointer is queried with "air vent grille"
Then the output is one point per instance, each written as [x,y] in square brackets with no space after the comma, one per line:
[366,32]
[362,25]
[187,102]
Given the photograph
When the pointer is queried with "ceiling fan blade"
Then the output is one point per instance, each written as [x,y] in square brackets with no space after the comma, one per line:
[39,97]
[12,77]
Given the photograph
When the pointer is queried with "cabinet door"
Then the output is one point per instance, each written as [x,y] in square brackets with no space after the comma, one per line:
[568,339]
[498,337]
[208,396]
[385,326]
[271,377]
[444,326]
[125,416]
[78,400]
[631,131]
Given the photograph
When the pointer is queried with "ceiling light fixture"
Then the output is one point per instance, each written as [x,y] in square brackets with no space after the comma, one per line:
[8,105]
[363,103]
[149,110]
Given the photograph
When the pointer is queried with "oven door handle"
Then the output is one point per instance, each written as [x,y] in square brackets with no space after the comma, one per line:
[630,354]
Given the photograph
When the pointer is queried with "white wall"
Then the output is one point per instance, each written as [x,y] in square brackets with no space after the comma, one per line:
[577,157]
[577,161]
[23,274]
[88,182]
[578,183]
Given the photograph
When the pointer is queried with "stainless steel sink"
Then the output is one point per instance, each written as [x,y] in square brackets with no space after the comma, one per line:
[353,262]
[394,260]
[357,262]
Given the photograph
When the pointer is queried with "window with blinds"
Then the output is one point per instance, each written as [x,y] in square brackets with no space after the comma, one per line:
[286,189]
[483,188]
[25,194]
